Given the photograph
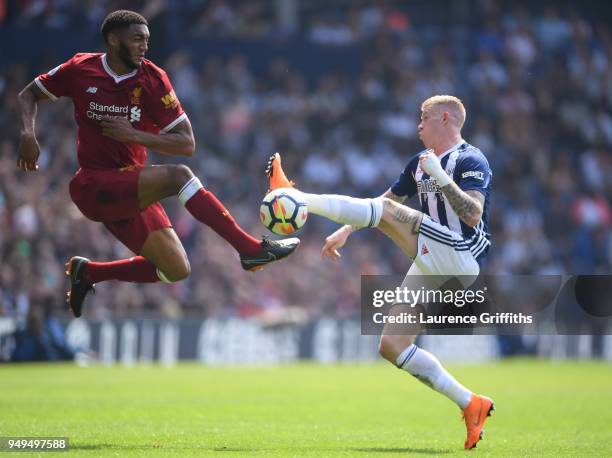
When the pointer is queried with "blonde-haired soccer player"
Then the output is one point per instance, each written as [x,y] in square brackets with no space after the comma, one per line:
[446,238]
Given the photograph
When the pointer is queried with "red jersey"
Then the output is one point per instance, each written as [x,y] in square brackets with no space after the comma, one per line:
[144,96]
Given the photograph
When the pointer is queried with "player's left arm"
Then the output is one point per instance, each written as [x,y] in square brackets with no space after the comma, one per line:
[179,141]
[468,205]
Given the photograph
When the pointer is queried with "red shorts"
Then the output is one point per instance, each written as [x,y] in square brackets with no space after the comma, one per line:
[111,197]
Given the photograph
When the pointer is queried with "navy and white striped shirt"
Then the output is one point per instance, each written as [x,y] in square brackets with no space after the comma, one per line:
[470,169]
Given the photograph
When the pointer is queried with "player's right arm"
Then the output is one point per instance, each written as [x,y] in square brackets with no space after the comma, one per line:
[338,239]
[52,85]
[28,149]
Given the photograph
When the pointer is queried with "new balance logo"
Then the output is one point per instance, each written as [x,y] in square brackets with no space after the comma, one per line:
[92,90]
[135,114]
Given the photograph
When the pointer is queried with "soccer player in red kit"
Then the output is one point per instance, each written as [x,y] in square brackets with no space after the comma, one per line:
[124,104]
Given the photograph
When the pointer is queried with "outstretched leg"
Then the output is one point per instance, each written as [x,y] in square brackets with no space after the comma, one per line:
[397,221]
[157,182]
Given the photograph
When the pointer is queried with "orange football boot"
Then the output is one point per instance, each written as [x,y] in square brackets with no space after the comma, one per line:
[276,175]
[475,415]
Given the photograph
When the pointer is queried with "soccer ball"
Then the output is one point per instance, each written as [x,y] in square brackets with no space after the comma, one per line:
[283,211]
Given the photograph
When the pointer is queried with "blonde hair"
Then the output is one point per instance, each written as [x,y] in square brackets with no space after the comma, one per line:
[453,104]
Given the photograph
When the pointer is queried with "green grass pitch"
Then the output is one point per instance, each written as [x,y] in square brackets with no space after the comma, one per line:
[543,409]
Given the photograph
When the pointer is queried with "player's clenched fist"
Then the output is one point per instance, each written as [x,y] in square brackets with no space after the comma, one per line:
[28,152]
[430,164]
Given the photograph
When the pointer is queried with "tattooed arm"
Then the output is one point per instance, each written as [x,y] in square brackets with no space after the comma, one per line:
[467,204]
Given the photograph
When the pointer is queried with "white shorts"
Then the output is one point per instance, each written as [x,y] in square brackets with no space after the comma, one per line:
[443,254]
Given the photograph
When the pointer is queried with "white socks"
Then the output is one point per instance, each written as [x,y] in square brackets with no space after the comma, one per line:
[345,210]
[426,367]
[189,189]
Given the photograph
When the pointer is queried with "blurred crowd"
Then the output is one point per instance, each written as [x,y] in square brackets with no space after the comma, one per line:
[536,80]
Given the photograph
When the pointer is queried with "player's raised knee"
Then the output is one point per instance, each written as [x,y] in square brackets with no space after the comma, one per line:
[182,271]
[182,174]
[170,178]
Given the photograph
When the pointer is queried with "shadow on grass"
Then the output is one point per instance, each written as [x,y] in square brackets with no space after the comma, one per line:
[418,451]
[156,447]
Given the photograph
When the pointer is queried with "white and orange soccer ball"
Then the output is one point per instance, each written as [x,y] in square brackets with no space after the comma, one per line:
[283,211]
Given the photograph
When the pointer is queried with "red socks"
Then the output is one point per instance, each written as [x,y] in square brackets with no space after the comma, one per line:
[136,269]
[206,208]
